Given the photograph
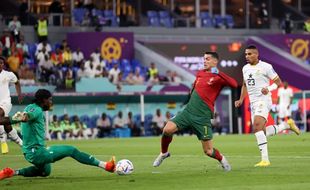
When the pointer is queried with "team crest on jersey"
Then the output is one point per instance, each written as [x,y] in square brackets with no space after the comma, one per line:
[211,81]
[31,110]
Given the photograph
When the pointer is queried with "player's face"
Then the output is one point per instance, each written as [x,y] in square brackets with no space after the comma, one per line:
[47,104]
[251,56]
[209,61]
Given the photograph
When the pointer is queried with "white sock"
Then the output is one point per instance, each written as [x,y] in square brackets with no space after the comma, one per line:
[102,164]
[14,136]
[2,134]
[275,129]
[262,144]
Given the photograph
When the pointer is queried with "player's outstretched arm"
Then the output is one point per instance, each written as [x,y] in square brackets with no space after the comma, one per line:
[239,102]
[16,118]
[229,80]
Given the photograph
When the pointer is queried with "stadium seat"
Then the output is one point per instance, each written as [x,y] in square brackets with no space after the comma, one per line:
[229,21]
[206,20]
[165,19]
[219,21]
[93,121]
[153,19]
[86,120]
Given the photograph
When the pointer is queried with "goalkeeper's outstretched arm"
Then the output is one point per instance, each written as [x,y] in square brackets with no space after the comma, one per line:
[16,118]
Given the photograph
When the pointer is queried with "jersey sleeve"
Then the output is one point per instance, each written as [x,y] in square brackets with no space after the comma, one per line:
[271,73]
[33,113]
[12,77]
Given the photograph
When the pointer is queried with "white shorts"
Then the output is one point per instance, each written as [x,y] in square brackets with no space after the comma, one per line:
[6,106]
[260,108]
[284,112]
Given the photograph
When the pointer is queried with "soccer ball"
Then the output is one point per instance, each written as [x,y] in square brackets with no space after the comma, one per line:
[124,167]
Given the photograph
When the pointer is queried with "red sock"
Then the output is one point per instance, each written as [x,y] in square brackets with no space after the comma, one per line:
[165,141]
[216,155]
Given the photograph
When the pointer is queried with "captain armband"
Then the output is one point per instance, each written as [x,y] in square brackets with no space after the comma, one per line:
[272,87]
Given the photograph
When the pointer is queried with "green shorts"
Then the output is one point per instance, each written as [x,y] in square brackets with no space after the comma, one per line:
[201,126]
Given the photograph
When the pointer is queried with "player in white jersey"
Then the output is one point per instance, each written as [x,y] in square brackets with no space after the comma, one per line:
[256,77]
[7,77]
[285,98]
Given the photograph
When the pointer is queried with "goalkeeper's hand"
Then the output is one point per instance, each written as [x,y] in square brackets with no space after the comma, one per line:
[20,116]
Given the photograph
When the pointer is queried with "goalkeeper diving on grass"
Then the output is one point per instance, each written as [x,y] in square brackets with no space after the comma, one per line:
[34,147]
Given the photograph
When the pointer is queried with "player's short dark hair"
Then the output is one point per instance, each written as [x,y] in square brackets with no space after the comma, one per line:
[42,94]
[213,54]
[3,59]
[251,47]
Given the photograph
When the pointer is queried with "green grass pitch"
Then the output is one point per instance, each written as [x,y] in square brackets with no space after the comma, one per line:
[187,168]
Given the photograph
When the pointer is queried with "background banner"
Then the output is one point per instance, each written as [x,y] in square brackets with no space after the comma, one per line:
[111,45]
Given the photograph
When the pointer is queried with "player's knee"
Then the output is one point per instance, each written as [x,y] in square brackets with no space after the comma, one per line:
[208,152]
[170,128]
[46,172]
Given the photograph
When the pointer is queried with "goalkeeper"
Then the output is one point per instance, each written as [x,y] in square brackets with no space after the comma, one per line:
[34,147]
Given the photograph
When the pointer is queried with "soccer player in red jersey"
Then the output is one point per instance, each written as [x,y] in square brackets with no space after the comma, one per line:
[199,110]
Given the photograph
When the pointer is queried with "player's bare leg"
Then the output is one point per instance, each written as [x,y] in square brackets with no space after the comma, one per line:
[259,131]
[166,139]
[208,149]
[11,132]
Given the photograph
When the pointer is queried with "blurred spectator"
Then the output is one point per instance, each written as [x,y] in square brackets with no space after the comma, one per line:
[65,124]
[77,57]
[216,124]
[263,19]
[307,25]
[67,57]
[24,47]
[135,130]
[55,128]
[14,62]
[26,75]
[69,80]
[56,7]
[23,12]
[98,71]
[45,65]
[154,80]
[138,78]
[167,78]
[119,121]
[64,45]
[152,72]
[42,29]
[287,24]
[45,45]
[79,128]
[83,72]
[104,126]
[113,74]
[57,58]
[96,56]
[7,42]
[158,123]
[14,27]
[175,77]
[129,79]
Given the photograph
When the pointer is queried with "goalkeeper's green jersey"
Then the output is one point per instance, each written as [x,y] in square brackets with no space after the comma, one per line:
[34,129]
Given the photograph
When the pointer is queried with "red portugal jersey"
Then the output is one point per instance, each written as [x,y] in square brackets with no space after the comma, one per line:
[209,85]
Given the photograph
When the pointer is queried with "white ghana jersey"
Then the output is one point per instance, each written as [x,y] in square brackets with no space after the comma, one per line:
[285,96]
[6,77]
[257,77]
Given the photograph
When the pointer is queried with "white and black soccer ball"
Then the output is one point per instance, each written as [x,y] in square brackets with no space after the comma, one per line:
[124,167]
